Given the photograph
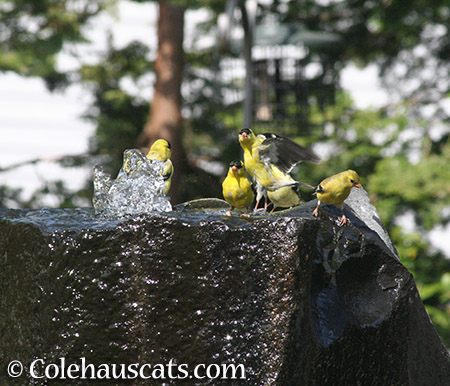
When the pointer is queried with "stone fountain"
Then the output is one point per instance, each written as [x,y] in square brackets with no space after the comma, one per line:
[295,300]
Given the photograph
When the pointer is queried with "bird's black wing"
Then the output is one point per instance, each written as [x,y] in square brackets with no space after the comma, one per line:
[283,153]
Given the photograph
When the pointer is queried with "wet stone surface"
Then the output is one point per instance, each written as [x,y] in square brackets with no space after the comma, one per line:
[297,300]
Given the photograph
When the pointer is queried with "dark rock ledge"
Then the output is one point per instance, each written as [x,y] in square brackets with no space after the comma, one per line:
[297,300]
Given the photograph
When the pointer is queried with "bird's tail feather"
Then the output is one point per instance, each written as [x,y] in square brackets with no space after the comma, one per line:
[304,185]
[293,184]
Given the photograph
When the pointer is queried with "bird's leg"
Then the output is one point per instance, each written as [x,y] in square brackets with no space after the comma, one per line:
[315,212]
[259,195]
[272,209]
[266,204]
[343,219]
[247,214]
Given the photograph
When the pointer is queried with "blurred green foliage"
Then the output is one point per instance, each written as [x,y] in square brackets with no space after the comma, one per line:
[402,159]
[35,31]
[118,116]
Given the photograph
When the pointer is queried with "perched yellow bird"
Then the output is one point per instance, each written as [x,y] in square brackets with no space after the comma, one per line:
[237,188]
[335,189]
[160,151]
[269,158]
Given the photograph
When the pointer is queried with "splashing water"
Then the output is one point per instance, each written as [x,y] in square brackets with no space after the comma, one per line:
[138,187]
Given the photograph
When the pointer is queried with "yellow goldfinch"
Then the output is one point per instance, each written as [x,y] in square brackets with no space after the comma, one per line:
[160,151]
[269,158]
[237,188]
[335,189]
[284,197]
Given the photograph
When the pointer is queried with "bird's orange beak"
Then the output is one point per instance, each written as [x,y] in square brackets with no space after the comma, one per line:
[357,186]
[244,135]
[234,169]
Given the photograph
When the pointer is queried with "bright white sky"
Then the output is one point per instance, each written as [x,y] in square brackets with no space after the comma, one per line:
[37,124]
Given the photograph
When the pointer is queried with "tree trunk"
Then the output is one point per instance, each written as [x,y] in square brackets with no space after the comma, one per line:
[165,120]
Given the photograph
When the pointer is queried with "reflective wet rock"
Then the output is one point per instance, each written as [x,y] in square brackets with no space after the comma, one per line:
[297,300]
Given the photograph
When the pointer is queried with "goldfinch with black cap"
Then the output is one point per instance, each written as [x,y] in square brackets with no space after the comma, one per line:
[335,189]
[269,158]
[237,187]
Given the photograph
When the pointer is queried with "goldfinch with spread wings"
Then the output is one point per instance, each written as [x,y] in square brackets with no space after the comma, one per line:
[269,158]
[335,189]
[160,151]
[237,187]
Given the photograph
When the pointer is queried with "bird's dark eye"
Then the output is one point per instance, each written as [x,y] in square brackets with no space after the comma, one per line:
[352,181]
